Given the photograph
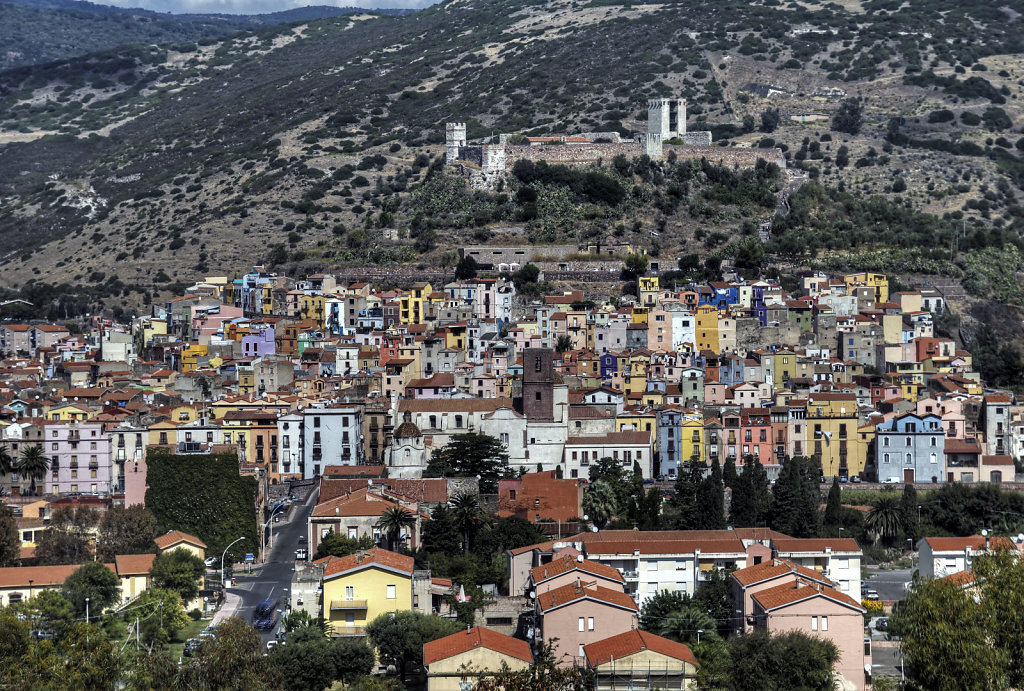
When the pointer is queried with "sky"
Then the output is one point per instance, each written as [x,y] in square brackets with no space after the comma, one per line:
[254,6]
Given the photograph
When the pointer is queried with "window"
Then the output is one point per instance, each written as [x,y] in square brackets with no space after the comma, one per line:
[652,565]
[590,623]
[350,592]
[824,623]
[316,421]
[458,421]
[910,459]
[54,446]
[392,594]
[582,621]
[814,623]
[536,395]
[353,532]
[581,650]
[324,532]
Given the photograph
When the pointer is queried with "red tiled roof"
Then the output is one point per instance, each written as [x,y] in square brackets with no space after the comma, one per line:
[557,567]
[173,537]
[775,568]
[794,544]
[632,642]
[560,597]
[791,593]
[41,576]
[959,544]
[380,558]
[961,578]
[476,637]
[133,564]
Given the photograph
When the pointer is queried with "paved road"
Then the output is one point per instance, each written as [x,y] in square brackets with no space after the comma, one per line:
[889,583]
[273,578]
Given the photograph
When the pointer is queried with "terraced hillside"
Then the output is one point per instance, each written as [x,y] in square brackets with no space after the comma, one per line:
[304,145]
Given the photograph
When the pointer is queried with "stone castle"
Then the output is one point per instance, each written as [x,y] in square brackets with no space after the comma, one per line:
[486,165]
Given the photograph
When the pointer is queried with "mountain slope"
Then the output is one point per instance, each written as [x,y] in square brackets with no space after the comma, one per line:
[147,162]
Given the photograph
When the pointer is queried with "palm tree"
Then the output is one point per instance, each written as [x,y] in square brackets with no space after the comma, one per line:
[466,508]
[599,503]
[684,624]
[34,463]
[392,521]
[6,461]
[886,517]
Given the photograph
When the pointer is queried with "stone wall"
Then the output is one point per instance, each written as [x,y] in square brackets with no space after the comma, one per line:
[729,156]
[700,138]
[571,153]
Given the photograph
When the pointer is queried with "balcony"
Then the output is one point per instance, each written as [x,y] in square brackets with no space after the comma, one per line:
[347,631]
[630,575]
[347,604]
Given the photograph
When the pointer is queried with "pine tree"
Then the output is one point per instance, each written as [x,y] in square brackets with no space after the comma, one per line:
[743,510]
[729,475]
[762,491]
[795,499]
[834,507]
[908,503]
[685,499]
[711,500]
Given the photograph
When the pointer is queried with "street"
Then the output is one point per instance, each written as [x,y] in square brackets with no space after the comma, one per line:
[889,583]
[273,578]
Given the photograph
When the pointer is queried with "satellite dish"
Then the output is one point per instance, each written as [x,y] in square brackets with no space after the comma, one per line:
[984,533]
[579,558]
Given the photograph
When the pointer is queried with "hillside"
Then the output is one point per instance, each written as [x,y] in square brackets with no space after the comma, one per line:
[303,143]
[39,31]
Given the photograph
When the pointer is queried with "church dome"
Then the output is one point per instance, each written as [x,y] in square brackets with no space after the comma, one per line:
[407,429]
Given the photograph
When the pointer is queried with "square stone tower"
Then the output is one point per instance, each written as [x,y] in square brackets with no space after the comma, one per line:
[538,385]
[454,137]
[667,117]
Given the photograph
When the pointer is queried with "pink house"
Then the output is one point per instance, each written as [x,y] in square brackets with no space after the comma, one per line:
[821,612]
[581,613]
[766,575]
[566,570]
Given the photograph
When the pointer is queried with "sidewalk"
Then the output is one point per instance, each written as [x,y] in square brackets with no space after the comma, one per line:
[227,610]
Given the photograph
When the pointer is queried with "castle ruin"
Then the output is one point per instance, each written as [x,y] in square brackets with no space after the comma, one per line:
[487,165]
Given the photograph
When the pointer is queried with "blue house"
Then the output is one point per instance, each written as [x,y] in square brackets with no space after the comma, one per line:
[910,448]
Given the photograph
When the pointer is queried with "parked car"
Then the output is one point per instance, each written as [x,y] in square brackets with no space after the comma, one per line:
[882,624]
[212,562]
[871,595]
[300,553]
[270,645]
[191,646]
[856,479]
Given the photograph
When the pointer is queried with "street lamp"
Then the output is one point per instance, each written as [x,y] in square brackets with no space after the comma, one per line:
[699,632]
[222,579]
[911,542]
[270,544]
[86,610]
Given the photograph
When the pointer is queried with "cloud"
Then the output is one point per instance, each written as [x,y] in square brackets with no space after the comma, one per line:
[257,6]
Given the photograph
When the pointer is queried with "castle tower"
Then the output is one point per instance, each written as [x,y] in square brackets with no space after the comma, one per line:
[454,137]
[658,116]
[538,385]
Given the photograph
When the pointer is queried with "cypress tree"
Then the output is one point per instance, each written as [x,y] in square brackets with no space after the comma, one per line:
[743,510]
[834,507]
[908,504]
[711,500]
[729,475]
[685,500]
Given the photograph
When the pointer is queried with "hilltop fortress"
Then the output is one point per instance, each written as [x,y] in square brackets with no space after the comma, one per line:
[485,164]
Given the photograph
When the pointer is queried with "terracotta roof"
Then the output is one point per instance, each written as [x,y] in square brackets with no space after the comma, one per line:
[557,567]
[559,597]
[173,537]
[41,576]
[773,569]
[997,460]
[790,545]
[959,544]
[476,637]
[961,578]
[706,546]
[133,564]
[359,503]
[791,593]
[635,641]
[372,471]
[379,558]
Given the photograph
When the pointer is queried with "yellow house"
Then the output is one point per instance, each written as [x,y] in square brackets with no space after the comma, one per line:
[832,434]
[163,433]
[692,434]
[639,422]
[361,586]
[133,570]
[190,357]
[640,660]
[68,412]
[707,328]
[412,303]
[475,653]
[877,281]
[648,290]
[313,307]
[175,539]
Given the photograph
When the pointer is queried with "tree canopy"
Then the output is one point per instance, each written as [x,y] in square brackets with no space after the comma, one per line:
[471,455]
[179,570]
[95,582]
[399,637]
[128,530]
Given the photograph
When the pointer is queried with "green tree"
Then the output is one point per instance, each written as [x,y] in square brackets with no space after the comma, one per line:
[48,610]
[10,538]
[656,608]
[92,580]
[126,531]
[941,622]
[509,532]
[849,117]
[599,503]
[337,545]
[466,268]
[441,532]
[563,344]
[885,518]
[232,660]
[392,521]
[34,464]
[711,500]
[399,637]
[730,478]
[179,570]
[770,119]
[67,539]
[909,509]
[305,664]
[766,662]
[714,598]
[685,498]
[834,504]
[469,455]
[7,463]
[301,619]
[1000,574]
[145,670]
[684,625]
[468,515]
[795,498]
[634,266]
[353,658]
[163,610]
